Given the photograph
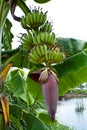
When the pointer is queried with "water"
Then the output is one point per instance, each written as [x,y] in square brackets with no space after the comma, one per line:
[73,113]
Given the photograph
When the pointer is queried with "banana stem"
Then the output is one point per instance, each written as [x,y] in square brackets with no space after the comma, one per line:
[23,6]
[48,64]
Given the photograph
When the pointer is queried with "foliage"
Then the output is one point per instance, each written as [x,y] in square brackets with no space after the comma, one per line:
[20,111]
[7,35]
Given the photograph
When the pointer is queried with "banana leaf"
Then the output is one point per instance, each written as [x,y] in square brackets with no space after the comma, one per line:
[7,35]
[71,46]
[72,72]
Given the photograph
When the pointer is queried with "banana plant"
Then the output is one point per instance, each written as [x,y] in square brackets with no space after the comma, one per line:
[70,70]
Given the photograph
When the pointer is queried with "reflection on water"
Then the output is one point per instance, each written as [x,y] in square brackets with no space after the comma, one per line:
[73,112]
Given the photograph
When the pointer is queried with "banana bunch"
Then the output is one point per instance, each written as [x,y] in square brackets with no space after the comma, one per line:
[47,27]
[41,38]
[27,40]
[34,19]
[40,54]
[47,38]
[54,56]
[37,54]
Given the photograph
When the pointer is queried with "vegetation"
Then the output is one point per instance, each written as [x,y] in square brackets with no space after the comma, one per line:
[57,63]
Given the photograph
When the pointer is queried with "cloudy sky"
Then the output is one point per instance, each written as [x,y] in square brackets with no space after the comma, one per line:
[69,18]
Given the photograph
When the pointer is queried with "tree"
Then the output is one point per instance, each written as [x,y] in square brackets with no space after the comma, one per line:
[65,65]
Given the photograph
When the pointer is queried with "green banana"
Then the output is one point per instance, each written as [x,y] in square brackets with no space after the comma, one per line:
[23,23]
[53,39]
[36,55]
[33,61]
[58,56]
[31,20]
[24,41]
[45,49]
[42,18]
[32,56]
[42,50]
[38,39]
[37,17]
[27,19]
[47,27]
[46,56]
[35,40]
[42,37]
[26,37]
[34,18]
[25,46]
[30,35]
[38,51]
[47,37]
[50,55]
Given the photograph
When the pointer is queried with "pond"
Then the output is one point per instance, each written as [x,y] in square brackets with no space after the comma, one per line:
[73,113]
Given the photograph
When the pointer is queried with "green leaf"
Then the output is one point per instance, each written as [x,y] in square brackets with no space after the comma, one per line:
[41,1]
[7,35]
[4,9]
[15,58]
[44,117]
[25,98]
[16,110]
[34,123]
[72,72]
[18,56]
[16,122]
[17,82]
[34,88]
[71,46]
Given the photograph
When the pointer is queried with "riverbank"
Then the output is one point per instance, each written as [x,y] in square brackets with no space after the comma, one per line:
[75,94]
[69,96]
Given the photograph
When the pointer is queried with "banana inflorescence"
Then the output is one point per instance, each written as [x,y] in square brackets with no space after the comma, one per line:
[40,42]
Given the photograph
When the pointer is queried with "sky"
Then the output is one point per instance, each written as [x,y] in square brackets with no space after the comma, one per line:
[69,18]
